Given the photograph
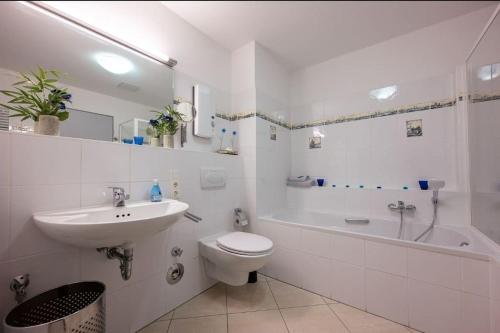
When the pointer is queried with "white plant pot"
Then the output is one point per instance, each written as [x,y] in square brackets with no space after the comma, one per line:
[47,125]
[154,142]
[168,141]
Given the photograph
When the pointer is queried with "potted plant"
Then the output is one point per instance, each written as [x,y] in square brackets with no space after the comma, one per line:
[168,123]
[36,97]
[155,131]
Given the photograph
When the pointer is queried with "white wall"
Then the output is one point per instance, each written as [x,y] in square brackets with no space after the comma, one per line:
[260,84]
[376,152]
[39,173]
[273,156]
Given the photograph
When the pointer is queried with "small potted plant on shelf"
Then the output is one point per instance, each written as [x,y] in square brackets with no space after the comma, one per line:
[155,131]
[168,122]
[37,97]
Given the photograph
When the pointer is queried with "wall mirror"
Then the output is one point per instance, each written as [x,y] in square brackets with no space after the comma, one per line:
[483,76]
[113,89]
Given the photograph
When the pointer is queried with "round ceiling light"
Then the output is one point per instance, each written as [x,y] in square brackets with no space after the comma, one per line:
[114,63]
[384,93]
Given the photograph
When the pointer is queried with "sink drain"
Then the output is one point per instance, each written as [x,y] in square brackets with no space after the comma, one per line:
[175,273]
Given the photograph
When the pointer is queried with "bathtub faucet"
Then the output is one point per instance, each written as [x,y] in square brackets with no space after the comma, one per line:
[401,207]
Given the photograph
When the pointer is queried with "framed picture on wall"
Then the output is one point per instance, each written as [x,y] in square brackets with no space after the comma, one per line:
[272,132]
[414,128]
[315,142]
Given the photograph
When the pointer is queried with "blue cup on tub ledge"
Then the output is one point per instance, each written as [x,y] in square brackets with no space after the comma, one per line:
[138,140]
[424,184]
[320,182]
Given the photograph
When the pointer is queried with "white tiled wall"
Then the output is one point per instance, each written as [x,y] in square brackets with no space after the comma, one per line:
[429,291]
[43,173]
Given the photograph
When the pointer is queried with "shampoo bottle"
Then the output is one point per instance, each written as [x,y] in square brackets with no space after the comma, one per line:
[156,195]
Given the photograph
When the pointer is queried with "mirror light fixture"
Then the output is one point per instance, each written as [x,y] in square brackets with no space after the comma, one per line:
[44,9]
[114,63]
[488,72]
[384,93]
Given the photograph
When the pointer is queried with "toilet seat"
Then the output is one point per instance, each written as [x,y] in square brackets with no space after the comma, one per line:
[244,243]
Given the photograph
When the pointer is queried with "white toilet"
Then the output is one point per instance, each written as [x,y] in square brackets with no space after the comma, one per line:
[230,256]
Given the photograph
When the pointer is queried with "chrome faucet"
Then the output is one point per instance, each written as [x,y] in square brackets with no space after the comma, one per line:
[119,196]
[401,207]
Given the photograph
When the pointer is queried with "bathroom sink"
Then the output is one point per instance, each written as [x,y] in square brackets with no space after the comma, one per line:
[108,226]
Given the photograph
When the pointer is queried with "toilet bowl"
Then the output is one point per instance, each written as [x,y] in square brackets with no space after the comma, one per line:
[230,256]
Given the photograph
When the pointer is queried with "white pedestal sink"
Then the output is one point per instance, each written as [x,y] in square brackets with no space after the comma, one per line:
[108,226]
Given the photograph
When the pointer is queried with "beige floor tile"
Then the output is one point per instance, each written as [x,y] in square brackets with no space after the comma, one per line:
[358,321]
[328,300]
[250,297]
[168,316]
[290,296]
[211,324]
[269,321]
[210,302]
[156,327]
[317,319]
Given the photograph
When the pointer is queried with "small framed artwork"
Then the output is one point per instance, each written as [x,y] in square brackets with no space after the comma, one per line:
[315,142]
[413,128]
[272,132]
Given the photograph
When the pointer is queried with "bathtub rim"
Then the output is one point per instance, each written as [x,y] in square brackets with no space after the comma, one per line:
[403,243]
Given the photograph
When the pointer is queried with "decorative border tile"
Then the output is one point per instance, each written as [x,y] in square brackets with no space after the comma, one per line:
[278,122]
[477,98]
[234,117]
[433,105]
[377,114]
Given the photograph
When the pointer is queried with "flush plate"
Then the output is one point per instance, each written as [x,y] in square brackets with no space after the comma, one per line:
[212,177]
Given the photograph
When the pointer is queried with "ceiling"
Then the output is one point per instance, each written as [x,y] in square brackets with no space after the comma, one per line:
[302,33]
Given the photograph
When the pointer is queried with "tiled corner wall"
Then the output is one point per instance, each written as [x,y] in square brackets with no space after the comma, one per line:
[429,291]
[370,162]
[40,173]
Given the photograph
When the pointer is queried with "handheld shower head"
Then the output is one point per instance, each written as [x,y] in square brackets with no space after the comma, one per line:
[435,185]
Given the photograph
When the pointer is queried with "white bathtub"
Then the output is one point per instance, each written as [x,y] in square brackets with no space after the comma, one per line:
[448,239]
[435,286]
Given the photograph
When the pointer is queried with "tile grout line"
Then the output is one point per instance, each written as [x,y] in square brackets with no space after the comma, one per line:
[170,323]
[338,317]
[275,301]
[227,311]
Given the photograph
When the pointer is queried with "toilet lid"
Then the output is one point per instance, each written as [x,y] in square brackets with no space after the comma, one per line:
[245,243]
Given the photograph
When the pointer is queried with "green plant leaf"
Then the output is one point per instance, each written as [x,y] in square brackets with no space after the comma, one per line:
[63,115]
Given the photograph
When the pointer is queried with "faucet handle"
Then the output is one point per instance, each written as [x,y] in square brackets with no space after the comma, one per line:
[117,189]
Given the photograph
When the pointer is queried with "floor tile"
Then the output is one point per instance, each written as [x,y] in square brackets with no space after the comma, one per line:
[156,327]
[210,302]
[250,297]
[317,319]
[168,316]
[358,321]
[210,324]
[269,321]
[290,296]
[328,300]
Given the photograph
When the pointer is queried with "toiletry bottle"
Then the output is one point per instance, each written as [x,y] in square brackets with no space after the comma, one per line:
[156,195]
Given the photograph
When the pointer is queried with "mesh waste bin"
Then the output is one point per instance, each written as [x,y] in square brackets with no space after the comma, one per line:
[72,308]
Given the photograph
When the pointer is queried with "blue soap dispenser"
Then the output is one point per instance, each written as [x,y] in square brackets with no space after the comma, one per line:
[156,195]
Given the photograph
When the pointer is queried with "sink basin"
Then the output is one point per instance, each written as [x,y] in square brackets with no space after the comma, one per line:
[109,226]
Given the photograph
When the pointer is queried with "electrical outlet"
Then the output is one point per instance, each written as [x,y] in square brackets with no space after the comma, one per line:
[174,184]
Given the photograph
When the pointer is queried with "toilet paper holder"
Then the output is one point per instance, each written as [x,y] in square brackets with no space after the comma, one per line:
[240,218]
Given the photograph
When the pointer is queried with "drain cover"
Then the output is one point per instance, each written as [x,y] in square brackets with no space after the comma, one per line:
[175,273]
